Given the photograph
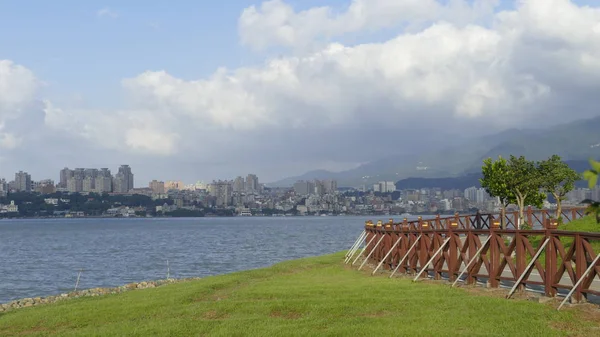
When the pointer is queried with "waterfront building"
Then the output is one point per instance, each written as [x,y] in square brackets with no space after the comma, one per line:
[157,187]
[23,181]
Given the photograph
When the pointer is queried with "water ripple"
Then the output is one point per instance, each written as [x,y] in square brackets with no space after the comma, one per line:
[43,257]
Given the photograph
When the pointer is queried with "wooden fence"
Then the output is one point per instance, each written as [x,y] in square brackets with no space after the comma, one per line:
[474,248]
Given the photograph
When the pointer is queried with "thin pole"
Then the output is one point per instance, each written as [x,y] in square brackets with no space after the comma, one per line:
[359,254]
[360,242]
[77,282]
[472,260]
[371,252]
[405,256]
[430,260]
[168,270]
[587,271]
[386,255]
[355,243]
[526,271]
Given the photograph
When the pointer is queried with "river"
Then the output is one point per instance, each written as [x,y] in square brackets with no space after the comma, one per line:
[41,257]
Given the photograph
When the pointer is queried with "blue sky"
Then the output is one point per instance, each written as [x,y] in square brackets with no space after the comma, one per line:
[77,52]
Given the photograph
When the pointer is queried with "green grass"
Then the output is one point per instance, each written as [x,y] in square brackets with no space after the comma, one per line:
[309,297]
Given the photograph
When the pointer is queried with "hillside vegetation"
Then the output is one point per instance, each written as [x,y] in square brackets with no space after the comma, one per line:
[314,296]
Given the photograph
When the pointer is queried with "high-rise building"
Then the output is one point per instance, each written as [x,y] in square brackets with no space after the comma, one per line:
[251,183]
[384,187]
[23,181]
[89,179]
[239,185]
[302,187]
[223,191]
[127,176]
[173,185]
[75,182]
[123,181]
[3,188]
[65,174]
[476,195]
[157,187]
[103,184]
[88,184]
[45,186]
[330,186]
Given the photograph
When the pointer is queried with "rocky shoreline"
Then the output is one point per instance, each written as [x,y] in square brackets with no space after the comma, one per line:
[94,292]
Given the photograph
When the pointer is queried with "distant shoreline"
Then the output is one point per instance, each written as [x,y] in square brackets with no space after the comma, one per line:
[236,216]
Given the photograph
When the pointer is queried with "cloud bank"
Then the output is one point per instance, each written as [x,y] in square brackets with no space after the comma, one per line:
[448,70]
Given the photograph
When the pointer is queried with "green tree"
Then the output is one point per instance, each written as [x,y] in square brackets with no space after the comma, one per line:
[524,180]
[592,177]
[558,179]
[494,181]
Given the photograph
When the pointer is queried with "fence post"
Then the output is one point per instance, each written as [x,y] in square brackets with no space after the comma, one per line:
[388,241]
[580,265]
[551,260]
[471,242]
[494,254]
[544,217]
[452,251]
[520,251]
[423,244]
[405,244]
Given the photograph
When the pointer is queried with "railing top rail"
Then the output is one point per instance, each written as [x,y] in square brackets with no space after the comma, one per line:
[477,221]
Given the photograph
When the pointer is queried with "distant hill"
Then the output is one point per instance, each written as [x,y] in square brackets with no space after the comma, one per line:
[575,141]
[317,174]
[471,179]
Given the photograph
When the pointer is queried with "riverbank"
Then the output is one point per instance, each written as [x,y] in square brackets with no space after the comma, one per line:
[94,292]
[302,297]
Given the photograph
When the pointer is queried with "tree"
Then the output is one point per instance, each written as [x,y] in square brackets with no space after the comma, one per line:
[495,176]
[516,181]
[592,177]
[558,179]
[524,180]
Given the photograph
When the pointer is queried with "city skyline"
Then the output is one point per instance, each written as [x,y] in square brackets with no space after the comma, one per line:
[281,87]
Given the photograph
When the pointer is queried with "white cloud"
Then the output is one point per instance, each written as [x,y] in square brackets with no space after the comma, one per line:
[523,67]
[445,71]
[275,22]
[18,87]
[107,13]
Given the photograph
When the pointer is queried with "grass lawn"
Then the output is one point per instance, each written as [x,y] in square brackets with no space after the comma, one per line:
[314,296]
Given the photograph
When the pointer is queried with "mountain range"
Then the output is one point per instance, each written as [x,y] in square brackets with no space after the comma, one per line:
[576,142]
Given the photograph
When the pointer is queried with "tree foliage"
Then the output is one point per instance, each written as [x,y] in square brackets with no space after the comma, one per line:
[513,181]
[494,181]
[558,179]
[525,180]
[591,176]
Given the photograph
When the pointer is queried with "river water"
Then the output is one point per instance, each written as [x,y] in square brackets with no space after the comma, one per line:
[42,257]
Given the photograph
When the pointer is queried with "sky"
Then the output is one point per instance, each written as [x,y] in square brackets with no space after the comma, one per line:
[202,90]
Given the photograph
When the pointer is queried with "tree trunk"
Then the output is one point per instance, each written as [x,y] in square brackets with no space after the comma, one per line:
[520,202]
[558,207]
[503,217]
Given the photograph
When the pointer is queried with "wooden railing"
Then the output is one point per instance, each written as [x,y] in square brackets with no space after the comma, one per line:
[474,248]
